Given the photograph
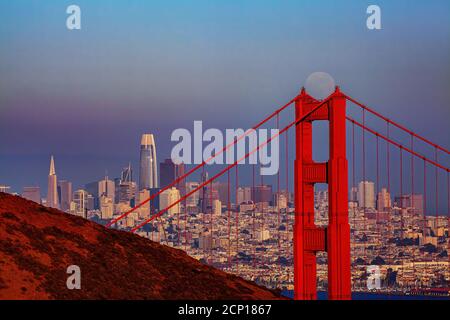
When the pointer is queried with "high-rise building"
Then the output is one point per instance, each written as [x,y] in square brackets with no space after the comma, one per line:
[169,172]
[96,189]
[92,189]
[383,200]
[263,193]
[244,194]
[92,203]
[65,194]
[52,191]
[216,207]
[366,194]
[167,198]
[211,196]
[106,187]
[208,194]
[413,202]
[144,210]
[106,207]
[127,174]
[4,188]
[79,204]
[204,192]
[222,189]
[32,193]
[280,200]
[126,189]
[193,199]
[148,175]
[354,194]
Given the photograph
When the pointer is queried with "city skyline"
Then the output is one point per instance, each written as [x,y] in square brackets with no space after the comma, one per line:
[380,200]
[60,188]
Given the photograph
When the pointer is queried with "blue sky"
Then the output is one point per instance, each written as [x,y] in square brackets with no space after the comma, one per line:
[153,66]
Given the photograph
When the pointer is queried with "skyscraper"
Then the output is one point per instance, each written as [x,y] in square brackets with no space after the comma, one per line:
[79,203]
[148,176]
[126,189]
[193,199]
[144,210]
[366,194]
[384,200]
[65,194]
[92,188]
[263,193]
[167,198]
[413,202]
[4,188]
[106,207]
[106,187]
[169,171]
[32,193]
[52,191]
[204,193]
[127,174]
[244,194]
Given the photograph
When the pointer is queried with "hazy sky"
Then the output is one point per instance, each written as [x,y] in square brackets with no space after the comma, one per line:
[152,66]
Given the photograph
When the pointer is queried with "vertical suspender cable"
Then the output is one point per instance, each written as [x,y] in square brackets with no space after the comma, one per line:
[278,211]
[436,187]
[401,193]
[229,218]
[237,219]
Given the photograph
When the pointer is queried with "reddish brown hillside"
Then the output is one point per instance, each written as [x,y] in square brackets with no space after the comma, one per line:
[37,244]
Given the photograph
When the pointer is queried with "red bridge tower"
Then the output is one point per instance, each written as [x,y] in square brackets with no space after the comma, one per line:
[308,238]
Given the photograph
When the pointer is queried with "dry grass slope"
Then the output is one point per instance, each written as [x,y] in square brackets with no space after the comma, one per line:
[37,244]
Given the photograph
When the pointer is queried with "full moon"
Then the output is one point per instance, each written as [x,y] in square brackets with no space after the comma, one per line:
[320,85]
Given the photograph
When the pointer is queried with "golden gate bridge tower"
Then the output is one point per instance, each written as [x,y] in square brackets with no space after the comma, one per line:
[308,238]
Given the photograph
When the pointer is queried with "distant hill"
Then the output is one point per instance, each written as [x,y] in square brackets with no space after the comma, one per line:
[37,244]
